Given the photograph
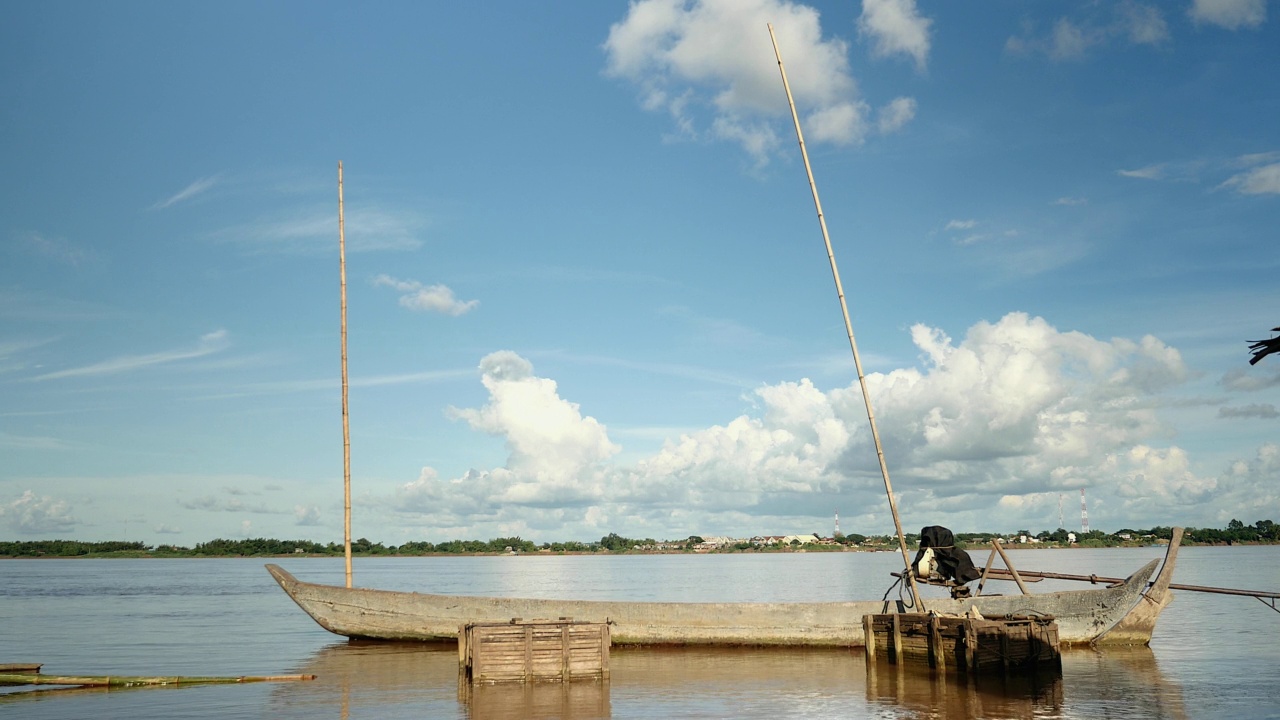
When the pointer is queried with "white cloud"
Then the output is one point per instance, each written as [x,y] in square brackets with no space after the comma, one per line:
[1230,14]
[210,503]
[426,298]
[710,64]
[314,229]
[1071,38]
[209,344]
[57,249]
[306,515]
[1070,201]
[32,442]
[962,224]
[1143,24]
[1263,180]
[1151,172]
[896,114]
[896,26]
[38,515]
[190,191]
[1264,411]
[1016,410]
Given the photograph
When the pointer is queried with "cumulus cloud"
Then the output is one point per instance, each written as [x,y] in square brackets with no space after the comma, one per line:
[983,430]
[1229,14]
[306,515]
[896,26]
[709,64]
[35,515]
[896,114]
[426,298]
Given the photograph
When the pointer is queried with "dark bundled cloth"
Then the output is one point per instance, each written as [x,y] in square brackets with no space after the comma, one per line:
[953,563]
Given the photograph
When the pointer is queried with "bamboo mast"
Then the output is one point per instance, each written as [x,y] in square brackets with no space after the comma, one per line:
[848,326]
[346,425]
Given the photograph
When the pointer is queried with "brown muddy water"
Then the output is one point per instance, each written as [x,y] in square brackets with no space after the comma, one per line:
[1212,656]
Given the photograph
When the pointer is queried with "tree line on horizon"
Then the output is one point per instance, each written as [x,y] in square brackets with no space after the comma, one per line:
[1263,531]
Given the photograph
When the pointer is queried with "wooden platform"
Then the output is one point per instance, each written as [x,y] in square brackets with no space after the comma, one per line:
[964,644]
[535,650]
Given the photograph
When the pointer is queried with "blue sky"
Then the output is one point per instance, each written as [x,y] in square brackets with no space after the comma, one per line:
[587,290]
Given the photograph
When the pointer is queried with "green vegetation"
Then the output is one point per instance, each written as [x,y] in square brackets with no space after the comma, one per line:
[1236,532]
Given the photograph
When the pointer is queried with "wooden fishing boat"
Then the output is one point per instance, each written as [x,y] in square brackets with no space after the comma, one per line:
[1123,613]
[1084,616]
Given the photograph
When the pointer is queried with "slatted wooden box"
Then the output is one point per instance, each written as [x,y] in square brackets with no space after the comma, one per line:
[534,650]
[972,645]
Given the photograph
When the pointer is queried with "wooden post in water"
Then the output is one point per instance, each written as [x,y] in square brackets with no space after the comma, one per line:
[848,326]
[346,426]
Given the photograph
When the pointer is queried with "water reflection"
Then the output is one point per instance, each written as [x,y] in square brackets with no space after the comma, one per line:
[1115,683]
[1120,682]
[920,692]
[416,680]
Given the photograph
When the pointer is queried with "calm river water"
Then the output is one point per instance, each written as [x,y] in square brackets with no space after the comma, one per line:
[1212,657]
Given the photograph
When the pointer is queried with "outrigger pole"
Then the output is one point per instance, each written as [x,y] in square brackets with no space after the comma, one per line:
[346,425]
[848,326]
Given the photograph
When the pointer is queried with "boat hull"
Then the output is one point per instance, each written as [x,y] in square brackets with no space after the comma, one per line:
[1083,615]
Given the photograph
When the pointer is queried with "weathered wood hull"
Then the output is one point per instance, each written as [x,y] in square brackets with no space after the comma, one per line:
[1083,615]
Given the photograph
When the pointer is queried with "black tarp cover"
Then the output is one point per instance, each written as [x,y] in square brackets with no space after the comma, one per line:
[953,563]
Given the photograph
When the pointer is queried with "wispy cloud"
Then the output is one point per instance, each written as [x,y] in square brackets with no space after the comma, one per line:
[1229,14]
[961,225]
[56,249]
[190,191]
[314,229]
[32,442]
[1070,201]
[1263,180]
[210,503]
[1252,174]
[211,343]
[1151,172]
[426,298]
[1263,411]
[1072,37]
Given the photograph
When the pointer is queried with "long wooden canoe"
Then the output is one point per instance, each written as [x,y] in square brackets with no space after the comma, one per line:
[1084,616]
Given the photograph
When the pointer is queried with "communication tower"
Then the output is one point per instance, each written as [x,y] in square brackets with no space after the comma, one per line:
[837,532]
[1084,515]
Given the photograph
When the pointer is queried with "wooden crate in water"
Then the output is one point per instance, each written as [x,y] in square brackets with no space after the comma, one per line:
[971,645]
[535,650]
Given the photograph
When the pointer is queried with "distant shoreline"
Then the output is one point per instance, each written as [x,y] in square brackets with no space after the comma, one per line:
[135,555]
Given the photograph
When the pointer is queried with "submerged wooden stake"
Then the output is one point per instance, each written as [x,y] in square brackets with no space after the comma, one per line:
[130,680]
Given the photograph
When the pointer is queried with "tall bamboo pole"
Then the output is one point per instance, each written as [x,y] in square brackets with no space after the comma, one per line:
[848,326]
[346,425]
